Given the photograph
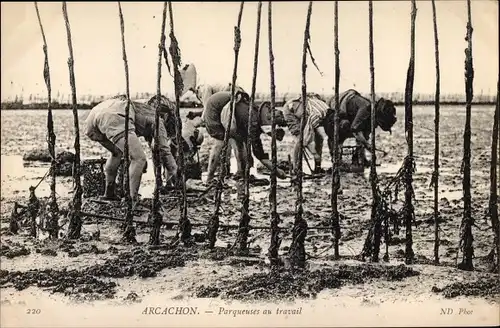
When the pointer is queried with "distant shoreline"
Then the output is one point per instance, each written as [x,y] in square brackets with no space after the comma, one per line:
[58,106]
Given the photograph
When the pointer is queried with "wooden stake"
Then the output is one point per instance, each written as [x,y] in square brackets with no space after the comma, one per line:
[376,219]
[493,206]
[275,237]
[409,213]
[184,223]
[129,233]
[53,221]
[435,175]
[297,250]
[466,238]
[75,223]
[242,238]
[155,210]
[213,224]
[335,155]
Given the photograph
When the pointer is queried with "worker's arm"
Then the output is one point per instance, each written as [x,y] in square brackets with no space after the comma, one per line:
[361,138]
[106,143]
[166,157]
[258,151]
[316,121]
[361,119]
[321,130]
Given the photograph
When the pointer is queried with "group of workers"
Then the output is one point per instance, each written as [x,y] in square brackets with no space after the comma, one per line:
[105,124]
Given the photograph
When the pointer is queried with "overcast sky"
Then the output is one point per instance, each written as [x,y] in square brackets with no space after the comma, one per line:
[205,35]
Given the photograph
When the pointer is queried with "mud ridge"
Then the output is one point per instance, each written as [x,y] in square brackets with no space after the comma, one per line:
[13,250]
[487,287]
[85,283]
[68,282]
[139,262]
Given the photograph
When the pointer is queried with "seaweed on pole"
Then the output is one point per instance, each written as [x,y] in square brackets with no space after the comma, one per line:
[33,209]
[156,217]
[242,237]
[275,220]
[372,242]
[466,238]
[297,253]
[75,223]
[493,204]
[184,223]
[53,221]
[376,219]
[213,223]
[14,220]
[409,163]
[435,173]
[335,156]
[129,233]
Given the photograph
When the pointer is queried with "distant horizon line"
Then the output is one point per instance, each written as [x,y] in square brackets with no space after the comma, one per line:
[92,98]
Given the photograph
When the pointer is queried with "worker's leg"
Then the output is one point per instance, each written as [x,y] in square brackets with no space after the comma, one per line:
[228,158]
[240,154]
[295,154]
[110,172]
[137,162]
[214,158]
[318,145]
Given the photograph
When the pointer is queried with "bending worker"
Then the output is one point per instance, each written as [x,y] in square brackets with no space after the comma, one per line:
[105,124]
[216,117]
[355,110]
[314,132]
[202,93]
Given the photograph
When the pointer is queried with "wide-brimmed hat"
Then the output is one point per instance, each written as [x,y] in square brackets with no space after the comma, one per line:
[166,106]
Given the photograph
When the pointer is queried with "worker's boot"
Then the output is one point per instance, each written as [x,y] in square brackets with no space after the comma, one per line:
[110,192]
[317,167]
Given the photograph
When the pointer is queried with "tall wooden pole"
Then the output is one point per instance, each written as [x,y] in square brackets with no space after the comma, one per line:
[129,233]
[275,238]
[467,239]
[297,248]
[75,224]
[184,223]
[409,213]
[335,156]
[213,224]
[377,222]
[155,210]
[242,238]
[435,175]
[53,221]
[493,206]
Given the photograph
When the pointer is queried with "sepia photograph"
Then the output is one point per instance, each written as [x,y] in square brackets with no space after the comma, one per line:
[250,164]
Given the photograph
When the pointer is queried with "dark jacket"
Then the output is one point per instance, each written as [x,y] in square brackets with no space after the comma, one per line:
[212,117]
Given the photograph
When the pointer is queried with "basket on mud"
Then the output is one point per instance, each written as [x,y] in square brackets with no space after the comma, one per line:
[94,180]
[357,158]
[193,167]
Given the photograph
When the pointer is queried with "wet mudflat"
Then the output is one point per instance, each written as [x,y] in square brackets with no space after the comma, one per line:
[101,266]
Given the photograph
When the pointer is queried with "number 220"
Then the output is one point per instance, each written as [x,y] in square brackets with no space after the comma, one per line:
[33,311]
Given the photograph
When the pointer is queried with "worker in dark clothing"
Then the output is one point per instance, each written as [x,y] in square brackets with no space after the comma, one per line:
[356,110]
[216,118]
